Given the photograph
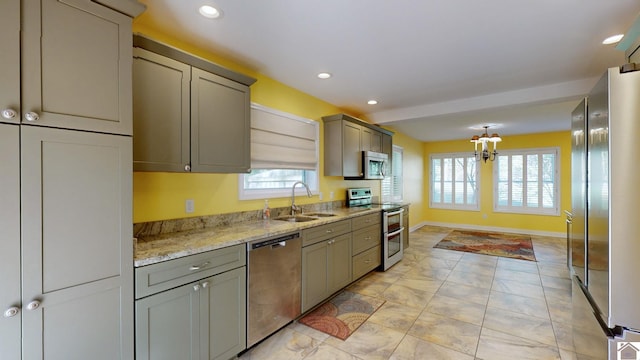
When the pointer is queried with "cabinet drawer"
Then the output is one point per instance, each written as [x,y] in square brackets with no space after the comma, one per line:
[364,221]
[323,232]
[169,274]
[366,261]
[366,238]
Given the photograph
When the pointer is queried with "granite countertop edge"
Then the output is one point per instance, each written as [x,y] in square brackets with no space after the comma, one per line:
[158,248]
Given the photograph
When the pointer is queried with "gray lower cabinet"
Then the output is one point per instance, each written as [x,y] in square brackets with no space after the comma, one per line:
[187,119]
[405,224]
[367,235]
[202,319]
[326,268]
[68,293]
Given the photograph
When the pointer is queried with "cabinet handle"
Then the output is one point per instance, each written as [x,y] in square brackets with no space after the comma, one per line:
[11,312]
[33,305]
[205,284]
[9,114]
[198,267]
[367,261]
[196,287]
[187,167]
[367,237]
[329,231]
[31,116]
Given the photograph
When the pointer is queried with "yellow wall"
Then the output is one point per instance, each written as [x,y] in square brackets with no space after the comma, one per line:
[161,196]
[486,217]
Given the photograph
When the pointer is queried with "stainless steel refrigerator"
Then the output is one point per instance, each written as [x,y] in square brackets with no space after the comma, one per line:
[605,232]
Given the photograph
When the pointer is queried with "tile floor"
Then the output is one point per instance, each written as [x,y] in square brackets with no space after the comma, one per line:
[443,304]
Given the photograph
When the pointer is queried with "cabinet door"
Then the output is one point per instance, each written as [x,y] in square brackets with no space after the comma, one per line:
[10,60]
[339,264]
[168,325]
[10,327]
[365,139]
[220,124]
[351,150]
[76,66]
[405,224]
[314,274]
[160,112]
[223,307]
[77,249]
[376,141]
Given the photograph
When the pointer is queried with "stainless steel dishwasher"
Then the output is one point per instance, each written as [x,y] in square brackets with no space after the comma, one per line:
[273,286]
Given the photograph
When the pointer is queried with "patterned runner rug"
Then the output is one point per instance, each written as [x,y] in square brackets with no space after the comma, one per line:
[516,246]
[343,314]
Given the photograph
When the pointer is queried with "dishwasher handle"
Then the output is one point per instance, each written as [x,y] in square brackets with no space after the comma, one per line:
[274,243]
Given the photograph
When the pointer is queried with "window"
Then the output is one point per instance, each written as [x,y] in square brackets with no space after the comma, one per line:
[454,181]
[526,181]
[392,185]
[284,149]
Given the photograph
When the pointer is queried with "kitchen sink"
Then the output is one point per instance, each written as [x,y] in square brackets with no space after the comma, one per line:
[296,218]
[318,214]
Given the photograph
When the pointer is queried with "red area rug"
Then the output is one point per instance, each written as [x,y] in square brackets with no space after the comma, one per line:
[496,244]
[343,314]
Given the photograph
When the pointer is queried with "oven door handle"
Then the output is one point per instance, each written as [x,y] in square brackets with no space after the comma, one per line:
[395,212]
[395,232]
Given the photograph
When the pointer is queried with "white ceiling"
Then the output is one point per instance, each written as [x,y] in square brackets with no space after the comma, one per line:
[436,67]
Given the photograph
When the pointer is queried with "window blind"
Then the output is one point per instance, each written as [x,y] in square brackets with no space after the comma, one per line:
[282,141]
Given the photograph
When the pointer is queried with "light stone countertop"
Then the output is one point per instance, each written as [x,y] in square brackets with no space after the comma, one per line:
[157,248]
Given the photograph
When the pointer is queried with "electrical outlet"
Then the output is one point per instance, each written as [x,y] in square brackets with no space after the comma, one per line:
[320,195]
[331,195]
[189,206]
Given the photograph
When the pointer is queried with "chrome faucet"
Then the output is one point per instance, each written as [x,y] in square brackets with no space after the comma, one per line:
[295,208]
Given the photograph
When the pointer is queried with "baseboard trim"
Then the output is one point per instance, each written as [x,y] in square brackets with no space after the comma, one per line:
[489,228]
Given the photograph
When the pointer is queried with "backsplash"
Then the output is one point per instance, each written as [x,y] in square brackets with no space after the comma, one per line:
[210,221]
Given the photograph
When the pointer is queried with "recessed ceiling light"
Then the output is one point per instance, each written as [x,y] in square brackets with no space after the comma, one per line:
[324,75]
[613,39]
[372,102]
[209,12]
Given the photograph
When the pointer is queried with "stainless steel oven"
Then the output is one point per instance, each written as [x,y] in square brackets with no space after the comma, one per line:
[392,228]
[392,236]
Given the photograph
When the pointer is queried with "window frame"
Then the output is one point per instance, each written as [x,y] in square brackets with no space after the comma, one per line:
[387,184]
[253,194]
[524,209]
[313,180]
[453,205]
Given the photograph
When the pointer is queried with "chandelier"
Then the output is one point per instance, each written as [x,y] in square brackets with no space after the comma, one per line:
[484,140]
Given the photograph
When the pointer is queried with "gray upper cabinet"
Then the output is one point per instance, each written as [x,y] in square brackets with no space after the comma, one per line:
[76,65]
[189,114]
[10,305]
[345,138]
[220,124]
[77,274]
[10,60]
[161,88]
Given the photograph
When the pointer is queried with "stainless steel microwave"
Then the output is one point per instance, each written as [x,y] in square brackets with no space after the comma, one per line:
[374,165]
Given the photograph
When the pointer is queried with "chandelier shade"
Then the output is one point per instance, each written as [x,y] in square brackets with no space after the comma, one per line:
[484,141]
